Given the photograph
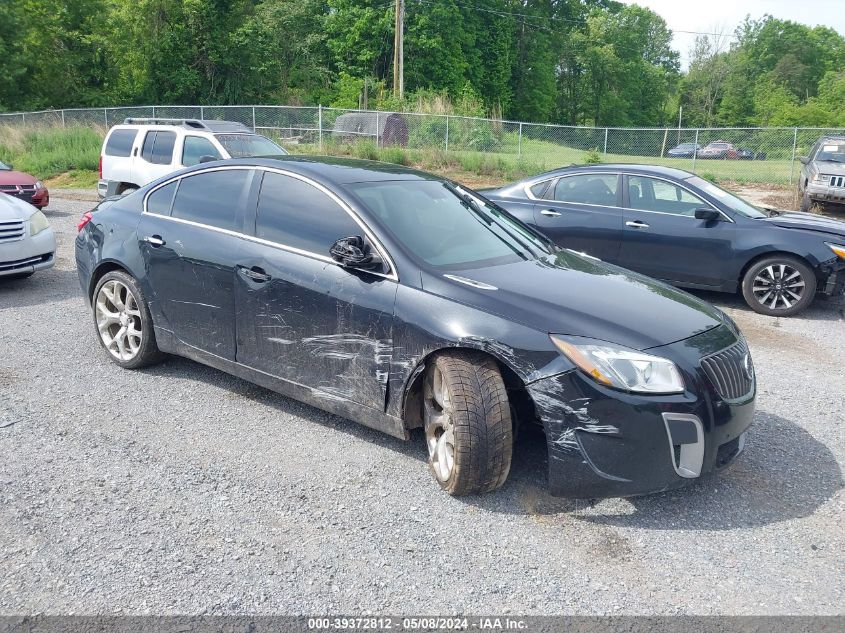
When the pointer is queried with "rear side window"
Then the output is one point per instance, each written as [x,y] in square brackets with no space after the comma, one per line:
[212,198]
[158,147]
[293,213]
[195,148]
[161,199]
[598,189]
[120,142]
[539,189]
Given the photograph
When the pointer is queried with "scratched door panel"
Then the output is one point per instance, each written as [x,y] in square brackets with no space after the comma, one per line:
[192,278]
[316,324]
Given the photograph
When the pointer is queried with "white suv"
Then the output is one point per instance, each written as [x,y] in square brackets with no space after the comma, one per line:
[141,150]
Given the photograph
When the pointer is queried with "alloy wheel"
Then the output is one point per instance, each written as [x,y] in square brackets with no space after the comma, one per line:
[119,320]
[779,286]
[439,426]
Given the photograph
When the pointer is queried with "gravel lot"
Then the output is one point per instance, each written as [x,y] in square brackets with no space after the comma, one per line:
[180,489]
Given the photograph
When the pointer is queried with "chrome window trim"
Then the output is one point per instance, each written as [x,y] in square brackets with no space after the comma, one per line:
[527,190]
[392,274]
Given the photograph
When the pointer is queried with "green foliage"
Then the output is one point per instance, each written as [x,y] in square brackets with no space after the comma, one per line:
[46,151]
[593,157]
[563,61]
[709,176]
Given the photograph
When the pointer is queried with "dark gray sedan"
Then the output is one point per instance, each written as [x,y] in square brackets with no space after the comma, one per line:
[674,226]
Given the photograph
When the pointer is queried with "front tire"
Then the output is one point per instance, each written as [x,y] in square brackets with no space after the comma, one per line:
[779,285]
[468,427]
[123,322]
[806,202]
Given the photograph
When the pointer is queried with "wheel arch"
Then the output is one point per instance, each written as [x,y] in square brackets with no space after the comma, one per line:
[518,395]
[100,271]
[744,270]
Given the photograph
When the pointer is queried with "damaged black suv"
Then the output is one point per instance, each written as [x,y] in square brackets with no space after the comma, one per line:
[402,301]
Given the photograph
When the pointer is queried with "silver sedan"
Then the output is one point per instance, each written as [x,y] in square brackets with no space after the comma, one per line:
[27,242]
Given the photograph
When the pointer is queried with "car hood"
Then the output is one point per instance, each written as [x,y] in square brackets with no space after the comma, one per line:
[13,209]
[808,222]
[15,178]
[829,167]
[570,294]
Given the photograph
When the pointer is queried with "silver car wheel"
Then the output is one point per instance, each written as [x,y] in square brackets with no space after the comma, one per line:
[439,427]
[119,320]
[778,286]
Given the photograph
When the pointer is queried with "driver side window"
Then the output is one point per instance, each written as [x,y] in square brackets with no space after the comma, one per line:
[651,194]
[294,213]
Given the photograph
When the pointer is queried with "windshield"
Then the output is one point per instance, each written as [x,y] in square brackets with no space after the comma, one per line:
[246,145]
[4,166]
[831,151]
[449,227]
[727,198]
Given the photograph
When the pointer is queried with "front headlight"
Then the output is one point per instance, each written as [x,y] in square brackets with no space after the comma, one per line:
[620,367]
[37,223]
[837,248]
[39,184]
[820,177]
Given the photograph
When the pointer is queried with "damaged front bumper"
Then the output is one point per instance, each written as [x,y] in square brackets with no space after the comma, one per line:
[607,443]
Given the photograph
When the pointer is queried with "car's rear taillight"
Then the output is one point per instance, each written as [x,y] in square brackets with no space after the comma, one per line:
[100,167]
[84,220]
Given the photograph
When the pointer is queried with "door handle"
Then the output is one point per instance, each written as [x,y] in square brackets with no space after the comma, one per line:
[154,240]
[550,213]
[255,273]
[637,224]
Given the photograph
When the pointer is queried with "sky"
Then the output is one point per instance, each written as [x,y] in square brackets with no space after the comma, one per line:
[725,16]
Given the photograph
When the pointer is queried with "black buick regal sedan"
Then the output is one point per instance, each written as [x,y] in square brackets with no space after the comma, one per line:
[675,226]
[402,301]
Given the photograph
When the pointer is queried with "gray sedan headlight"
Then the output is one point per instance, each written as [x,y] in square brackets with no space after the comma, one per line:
[37,223]
[620,367]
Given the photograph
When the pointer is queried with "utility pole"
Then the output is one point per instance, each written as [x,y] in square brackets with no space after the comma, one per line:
[680,114]
[398,51]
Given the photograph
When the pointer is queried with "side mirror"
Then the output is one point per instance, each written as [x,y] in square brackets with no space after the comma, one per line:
[804,159]
[208,159]
[706,214]
[354,252]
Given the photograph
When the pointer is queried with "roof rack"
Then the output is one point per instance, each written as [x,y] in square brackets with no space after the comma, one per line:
[195,124]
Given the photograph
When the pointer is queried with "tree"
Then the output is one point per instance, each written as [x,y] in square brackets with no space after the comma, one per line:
[702,87]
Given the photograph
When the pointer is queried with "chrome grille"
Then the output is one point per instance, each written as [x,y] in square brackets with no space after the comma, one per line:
[731,371]
[11,231]
[837,181]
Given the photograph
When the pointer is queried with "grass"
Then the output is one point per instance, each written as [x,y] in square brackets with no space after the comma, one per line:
[47,152]
[74,179]
[73,152]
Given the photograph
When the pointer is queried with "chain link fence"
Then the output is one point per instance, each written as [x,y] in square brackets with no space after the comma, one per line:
[742,155]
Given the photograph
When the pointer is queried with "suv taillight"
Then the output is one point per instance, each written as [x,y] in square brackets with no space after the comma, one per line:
[100,167]
[83,221]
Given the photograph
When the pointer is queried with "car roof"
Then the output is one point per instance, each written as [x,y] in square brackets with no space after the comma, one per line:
[333,169]
[657,170]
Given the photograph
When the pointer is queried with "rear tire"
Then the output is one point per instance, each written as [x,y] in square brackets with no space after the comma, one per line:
[127,190]
[468,427]
[779,285]
[123,323]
